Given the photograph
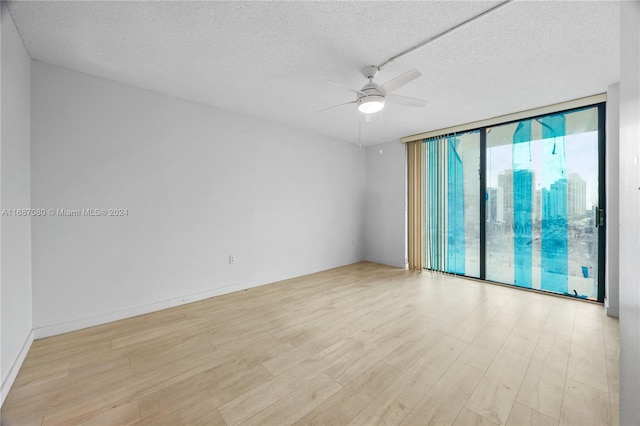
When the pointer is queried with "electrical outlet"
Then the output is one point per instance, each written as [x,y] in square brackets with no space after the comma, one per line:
[232,259]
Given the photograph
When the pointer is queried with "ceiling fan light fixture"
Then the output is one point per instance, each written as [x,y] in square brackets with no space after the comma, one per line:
[370,104]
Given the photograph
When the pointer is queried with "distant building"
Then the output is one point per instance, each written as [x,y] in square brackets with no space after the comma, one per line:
[554,200]
[495,205]
[527,200]
[576,195]
[505,182]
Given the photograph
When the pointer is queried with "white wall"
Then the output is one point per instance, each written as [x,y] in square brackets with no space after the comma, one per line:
[2,391]
[15,247]
[612,179]
[199,184]
[630,213]
[385,218]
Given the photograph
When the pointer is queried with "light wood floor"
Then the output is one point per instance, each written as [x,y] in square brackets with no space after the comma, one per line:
[363,345]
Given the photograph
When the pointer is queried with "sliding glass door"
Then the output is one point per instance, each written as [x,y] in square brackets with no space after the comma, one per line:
[543,176]
[542,185]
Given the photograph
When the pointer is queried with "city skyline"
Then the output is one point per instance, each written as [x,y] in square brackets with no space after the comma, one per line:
[579,156]
[566,197]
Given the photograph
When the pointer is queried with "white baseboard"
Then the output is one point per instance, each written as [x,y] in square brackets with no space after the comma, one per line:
[78,324]
[15,367]
[390,262]
[612,312]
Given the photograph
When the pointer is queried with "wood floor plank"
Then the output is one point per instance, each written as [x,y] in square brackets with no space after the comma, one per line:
[470,418]
[381,343]
[154,333]
[483,348]
[408,352]
[288,359]
[124,413]
[495,394]
[216,386]
[443,403]
[588,365]
[345,404]
[584,405]
[69,394]
[202,413]
[394,404]
[295,405]
[469,328]
[523,415]
[587,361]
[543,385]
[81,380]
[258,398]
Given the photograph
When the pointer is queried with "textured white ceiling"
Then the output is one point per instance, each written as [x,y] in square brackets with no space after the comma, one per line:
[273,60]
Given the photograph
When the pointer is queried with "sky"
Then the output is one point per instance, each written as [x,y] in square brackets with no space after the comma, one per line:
[580,156]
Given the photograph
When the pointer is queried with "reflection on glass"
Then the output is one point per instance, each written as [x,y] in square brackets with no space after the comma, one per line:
[541,196]
[451,211]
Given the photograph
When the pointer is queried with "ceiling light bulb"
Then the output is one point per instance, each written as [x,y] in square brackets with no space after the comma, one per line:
[371,104]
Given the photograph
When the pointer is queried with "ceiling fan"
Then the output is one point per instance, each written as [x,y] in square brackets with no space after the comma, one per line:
[372,97]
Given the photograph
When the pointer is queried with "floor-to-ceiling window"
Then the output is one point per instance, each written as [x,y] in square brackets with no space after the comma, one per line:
[536,223]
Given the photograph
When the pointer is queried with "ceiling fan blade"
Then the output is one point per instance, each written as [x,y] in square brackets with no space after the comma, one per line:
[405,100]
[336,106]
[344,86]
[393,85]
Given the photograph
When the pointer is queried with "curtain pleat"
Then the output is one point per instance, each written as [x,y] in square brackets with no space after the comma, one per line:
[435,204]
[443,206]
[415,178]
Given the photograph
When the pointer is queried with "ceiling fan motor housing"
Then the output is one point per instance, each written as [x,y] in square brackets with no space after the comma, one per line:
[370,99]
[370,72]
[371,96]
[371,89]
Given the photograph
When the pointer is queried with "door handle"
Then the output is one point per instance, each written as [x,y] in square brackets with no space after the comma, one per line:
[600,217]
